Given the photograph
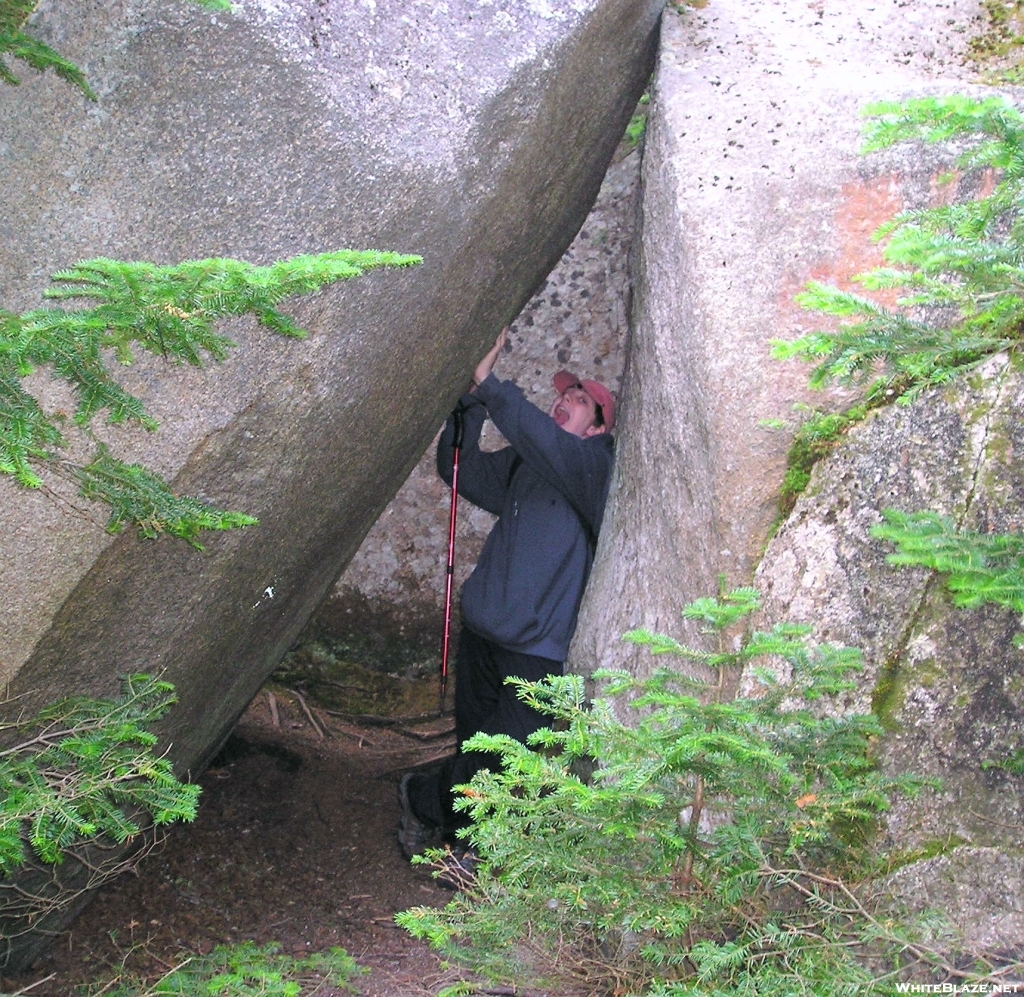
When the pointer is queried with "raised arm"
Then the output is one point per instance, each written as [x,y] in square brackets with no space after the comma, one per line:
[484,368]
[483,477]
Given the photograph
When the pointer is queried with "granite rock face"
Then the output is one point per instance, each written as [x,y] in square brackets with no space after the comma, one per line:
[947,683]
[473,133]
[751,185]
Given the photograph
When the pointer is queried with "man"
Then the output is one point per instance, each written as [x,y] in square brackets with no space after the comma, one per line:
[519,606]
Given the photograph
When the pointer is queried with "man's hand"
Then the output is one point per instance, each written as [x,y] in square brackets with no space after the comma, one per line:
[487,364]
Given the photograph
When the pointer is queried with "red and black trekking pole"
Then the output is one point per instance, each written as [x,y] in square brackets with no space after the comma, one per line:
[456,447]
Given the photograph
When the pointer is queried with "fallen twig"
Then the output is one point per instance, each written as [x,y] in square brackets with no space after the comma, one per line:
[272,703]
[924,953]
[309,714]
[371,720]
[424,735]
[400,725]
[358,736]
[425,762]
[31,986]
[989,820]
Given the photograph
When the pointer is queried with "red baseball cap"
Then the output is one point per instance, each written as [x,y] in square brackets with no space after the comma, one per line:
[563,380]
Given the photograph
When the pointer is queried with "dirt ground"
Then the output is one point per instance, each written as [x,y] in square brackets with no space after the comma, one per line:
[295,843]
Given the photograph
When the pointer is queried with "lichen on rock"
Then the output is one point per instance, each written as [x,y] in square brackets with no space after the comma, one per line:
[947,683]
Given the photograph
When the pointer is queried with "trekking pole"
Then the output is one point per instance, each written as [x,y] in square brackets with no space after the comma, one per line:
[456,447]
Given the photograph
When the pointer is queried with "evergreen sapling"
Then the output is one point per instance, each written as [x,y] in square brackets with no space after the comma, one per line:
[714,849]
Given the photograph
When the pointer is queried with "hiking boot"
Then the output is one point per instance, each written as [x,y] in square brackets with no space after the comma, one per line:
[414,835]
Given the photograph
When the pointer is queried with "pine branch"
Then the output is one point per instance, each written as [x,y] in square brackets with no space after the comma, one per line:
[170,310]
[940,119]
[87,766]
[137,495]
[167,310]
[40,57]
[70,343]
[26,433]
[888,351]
[963,264]
[981,568]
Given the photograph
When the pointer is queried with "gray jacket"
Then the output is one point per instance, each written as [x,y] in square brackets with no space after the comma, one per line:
[548,489]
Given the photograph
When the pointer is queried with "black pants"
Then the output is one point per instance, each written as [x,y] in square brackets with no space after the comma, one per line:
[485,704]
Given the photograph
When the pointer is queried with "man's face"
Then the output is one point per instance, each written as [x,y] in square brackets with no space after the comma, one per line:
[574,411]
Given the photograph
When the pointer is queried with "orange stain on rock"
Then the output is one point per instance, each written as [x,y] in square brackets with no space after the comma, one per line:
[862,209]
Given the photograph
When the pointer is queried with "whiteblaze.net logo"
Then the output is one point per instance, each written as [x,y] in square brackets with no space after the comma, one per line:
[960,988]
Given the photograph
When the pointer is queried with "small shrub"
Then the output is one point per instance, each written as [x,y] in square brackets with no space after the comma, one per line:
[246,970]
[79,778]
[715,848]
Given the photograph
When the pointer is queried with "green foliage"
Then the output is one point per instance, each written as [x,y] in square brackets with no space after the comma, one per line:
[247,970]
[137,495]
[1013,763]
[15,42]
[170,311]
[817,436]
[461,989]
[83,769]
[166,310]
[982,568]
[707,854]
[19,45]
[14,13]
[960,267]
[638,123]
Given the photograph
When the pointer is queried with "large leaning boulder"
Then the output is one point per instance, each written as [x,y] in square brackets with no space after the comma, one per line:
[475,134]
[752,185]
